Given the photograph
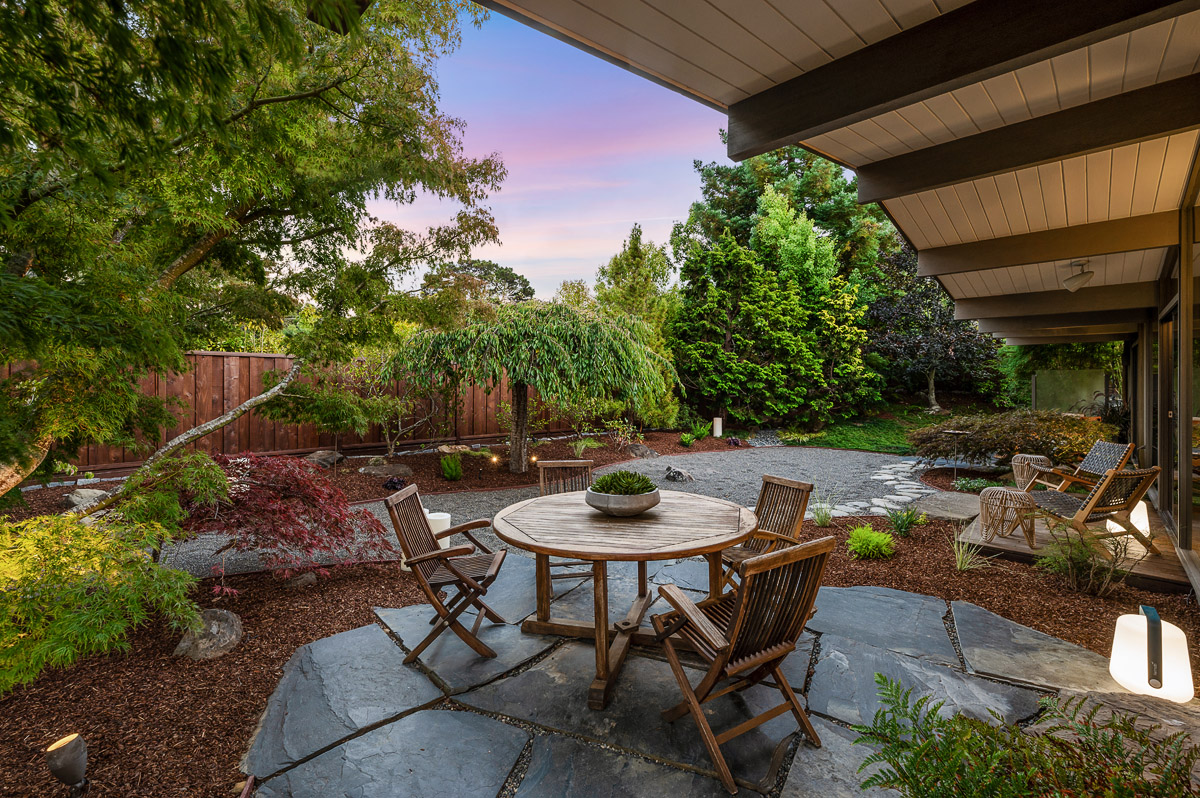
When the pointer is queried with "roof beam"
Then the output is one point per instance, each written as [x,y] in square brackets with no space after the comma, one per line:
[1078,339]
[972,43]
[1056,321]
[1139,115]
[1065,243]
[1123,296]
[1062,332]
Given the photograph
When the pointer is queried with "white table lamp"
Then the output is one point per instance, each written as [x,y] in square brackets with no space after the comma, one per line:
[1150,657]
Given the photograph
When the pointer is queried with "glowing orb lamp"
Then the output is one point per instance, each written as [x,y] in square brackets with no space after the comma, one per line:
[1150,657]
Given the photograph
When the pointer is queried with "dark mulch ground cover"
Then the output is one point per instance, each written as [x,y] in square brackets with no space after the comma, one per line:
[480,473]
[924,563]
[943,478]
[160,726]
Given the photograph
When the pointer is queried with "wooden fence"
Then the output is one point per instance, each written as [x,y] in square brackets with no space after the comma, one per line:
[220,381]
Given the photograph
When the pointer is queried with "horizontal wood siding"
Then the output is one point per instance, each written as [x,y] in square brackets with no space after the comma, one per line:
[220,381]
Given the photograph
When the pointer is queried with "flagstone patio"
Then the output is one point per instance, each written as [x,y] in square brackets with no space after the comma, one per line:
[349,719]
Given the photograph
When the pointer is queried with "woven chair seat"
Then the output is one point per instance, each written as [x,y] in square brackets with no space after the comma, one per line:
[475,567]
[1064,505]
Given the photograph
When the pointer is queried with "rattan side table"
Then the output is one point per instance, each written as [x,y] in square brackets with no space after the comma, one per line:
[1022,473]
[1002,510]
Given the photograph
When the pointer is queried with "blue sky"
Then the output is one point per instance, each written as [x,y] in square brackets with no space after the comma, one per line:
[590,150]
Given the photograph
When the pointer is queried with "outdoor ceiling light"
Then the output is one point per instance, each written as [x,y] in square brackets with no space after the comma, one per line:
[1077,281]
[1150,657]
[67,760]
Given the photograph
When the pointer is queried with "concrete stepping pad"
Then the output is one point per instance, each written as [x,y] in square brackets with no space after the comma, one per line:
[831,771]
[843,685]
[949,506]
[331,689]
[455,666]
[554,694]
[896,620]
[997,647]
[436,752]
[562,766]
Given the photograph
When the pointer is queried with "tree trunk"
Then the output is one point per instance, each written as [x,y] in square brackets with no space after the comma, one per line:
[518,452]
[933,404]
[195,433]
[13,475]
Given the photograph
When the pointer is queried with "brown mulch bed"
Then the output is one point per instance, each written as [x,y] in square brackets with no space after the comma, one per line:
[943,478]
[160,726]
[43,501]
[924,563]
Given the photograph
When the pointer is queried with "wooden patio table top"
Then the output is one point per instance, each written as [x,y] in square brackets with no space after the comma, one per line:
[564,525]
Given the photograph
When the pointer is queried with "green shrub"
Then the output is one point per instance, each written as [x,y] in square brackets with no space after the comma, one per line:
[799,437]
[867,544]
[925,755]
[1062,438]
[904,520]
[975,484]
[686,439]
[623,483]
[578,446]
[1081,565]
[70,590]
[452,467]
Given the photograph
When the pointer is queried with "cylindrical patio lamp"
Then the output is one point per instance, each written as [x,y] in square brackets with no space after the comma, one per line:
[718,426]
[1150,657]
[67,761]
[439,523]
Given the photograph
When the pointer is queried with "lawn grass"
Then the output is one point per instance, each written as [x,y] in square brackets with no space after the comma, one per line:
[885,431]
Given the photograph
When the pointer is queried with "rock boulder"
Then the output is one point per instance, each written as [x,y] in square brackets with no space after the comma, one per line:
[677,475]
[325,458]
[81,496]
[221,632]
[393,470]
[640,450]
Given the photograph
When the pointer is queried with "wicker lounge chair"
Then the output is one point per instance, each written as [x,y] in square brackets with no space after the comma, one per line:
[564,476]
[1100,459]
[780,511]
[1113,498]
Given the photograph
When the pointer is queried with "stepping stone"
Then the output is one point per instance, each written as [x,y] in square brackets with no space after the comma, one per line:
[437,752]
[514,593]
[554,694]
[896,620]
[455,665]
[831,771]
[567,766]
[950,506]
[997,647]
[843,685]
[331,689]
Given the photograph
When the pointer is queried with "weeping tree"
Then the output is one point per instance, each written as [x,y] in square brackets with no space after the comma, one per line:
[560,351]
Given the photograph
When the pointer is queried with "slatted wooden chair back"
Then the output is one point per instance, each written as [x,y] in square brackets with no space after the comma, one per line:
[412,529]
[775,599]
[1104,457]
[563,476]
[780,509]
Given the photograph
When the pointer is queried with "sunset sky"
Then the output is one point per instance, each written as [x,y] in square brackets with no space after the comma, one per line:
[590,149]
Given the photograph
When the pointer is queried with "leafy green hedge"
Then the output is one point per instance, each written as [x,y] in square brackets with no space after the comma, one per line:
[1061,437]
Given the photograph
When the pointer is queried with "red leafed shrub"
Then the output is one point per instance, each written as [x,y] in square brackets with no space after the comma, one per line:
[285,509]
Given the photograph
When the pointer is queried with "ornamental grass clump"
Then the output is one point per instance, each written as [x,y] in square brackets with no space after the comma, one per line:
[624,483]
[905,519]
[865,543]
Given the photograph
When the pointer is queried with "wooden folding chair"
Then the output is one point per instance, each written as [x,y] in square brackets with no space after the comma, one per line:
[744,636]
[780,511]
[1100,459]
[1112,499]
[438,569]
[563,476]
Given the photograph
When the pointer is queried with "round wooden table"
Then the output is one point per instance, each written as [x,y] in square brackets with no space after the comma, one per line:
[564,525]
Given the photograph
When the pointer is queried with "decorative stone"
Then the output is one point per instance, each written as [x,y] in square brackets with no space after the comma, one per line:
[563,766]
[332,689]
[453,664]
[677,475]
[303,580]
[997,647]
[640,450]
[377,461]
[387,470]
[325,458]
[831,771]
[81,496]
[843,685]
[899,621]
[452,448]
[949,506]
[220,634]
[554,694]
[428,753]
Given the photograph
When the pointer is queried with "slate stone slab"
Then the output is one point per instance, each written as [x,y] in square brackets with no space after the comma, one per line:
[562,766]
[514,593]
[795,667]
[843,685]
[998,647]
[580,604]
[330,690]
[455,665]
[691,574]
[907,623]
[432,753]
[554,694]
[949,506]
[831,771]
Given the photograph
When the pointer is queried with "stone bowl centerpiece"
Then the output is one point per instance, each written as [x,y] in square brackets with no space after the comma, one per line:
[622,493]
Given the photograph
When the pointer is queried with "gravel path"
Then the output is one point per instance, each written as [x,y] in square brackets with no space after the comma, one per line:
[856,483]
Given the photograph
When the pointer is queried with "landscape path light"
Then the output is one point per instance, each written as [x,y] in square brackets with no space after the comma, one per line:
[1150,657]
[67,760]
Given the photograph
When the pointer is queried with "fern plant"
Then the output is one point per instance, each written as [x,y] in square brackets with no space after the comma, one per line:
[623,483]
[865,543]
[452,467]
[700,430]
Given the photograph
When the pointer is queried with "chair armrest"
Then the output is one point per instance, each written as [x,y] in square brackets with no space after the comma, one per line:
[497,561]
[453,551]
[774,537]
[466,580]
[464,530]
[699,621]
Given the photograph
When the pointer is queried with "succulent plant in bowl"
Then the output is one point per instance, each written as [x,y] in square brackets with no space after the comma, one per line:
[622,493]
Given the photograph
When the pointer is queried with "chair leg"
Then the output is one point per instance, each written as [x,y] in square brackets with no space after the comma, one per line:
[449,620]
[797,710]
[693,706]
